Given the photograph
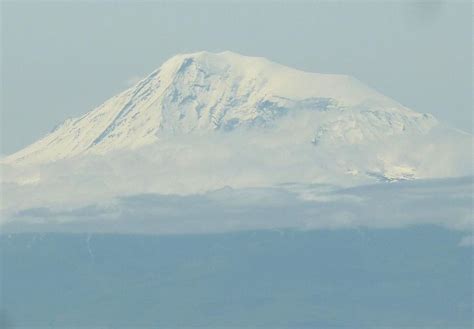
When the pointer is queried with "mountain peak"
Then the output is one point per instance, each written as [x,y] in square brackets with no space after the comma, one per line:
[203,92]
[219,63]
[207,56]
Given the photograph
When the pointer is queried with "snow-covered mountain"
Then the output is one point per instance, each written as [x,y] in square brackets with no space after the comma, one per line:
[205,93]
[206,122]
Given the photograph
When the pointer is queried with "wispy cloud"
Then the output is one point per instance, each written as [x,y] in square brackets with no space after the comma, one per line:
[133,80]
[441,202]
[180,186]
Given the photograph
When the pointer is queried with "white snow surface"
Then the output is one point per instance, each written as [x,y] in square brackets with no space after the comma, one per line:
[206,92]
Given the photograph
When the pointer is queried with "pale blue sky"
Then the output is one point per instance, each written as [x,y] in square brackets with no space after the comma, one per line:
[61,59]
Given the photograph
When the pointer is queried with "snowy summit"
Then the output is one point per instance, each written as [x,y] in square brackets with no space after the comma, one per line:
[207,122]
[206,92]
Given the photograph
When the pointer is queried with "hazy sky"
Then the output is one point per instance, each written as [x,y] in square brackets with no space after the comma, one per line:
[61,59]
